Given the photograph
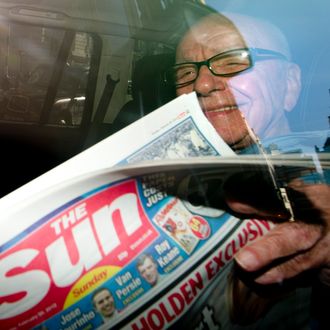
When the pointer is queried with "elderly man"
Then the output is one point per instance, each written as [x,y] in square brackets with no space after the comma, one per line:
[234,75]
[241,71]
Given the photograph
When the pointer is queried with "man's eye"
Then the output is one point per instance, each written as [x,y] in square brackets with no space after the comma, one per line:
[184,73]
[230,65]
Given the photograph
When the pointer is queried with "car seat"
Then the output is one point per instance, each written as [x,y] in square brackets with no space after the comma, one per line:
[149,89]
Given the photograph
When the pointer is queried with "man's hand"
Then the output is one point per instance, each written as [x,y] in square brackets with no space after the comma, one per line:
[291,248]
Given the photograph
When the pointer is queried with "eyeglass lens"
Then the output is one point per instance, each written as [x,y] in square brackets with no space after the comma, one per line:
[222,64]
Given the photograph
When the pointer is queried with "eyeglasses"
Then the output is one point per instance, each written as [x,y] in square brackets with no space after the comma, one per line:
[225,64]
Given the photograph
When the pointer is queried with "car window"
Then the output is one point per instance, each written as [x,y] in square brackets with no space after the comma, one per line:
[242,243]
[45,73]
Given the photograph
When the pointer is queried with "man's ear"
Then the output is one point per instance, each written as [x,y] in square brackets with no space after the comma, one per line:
[293,86]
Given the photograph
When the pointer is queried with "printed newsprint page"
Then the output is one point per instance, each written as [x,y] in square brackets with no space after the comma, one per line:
[104,241]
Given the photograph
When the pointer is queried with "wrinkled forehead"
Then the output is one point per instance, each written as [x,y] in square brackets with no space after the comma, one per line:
[210,30]
[235,30]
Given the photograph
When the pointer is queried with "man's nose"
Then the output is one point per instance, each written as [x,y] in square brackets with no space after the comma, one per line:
[206,82]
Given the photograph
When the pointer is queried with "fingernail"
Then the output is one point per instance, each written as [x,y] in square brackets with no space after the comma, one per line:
[247,260]
[270,277]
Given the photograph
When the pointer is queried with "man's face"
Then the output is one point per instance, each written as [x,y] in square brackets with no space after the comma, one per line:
[104,303]
[258,93]
[148,271]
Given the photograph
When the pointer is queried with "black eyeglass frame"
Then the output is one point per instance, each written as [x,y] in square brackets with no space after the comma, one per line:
[254,55]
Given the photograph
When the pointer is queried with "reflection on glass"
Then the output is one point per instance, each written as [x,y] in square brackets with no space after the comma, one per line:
[30,56]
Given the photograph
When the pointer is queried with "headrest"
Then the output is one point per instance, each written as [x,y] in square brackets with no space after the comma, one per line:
[148,85]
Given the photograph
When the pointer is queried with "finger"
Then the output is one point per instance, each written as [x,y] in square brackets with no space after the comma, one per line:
[292,267]
[244,210]
[284,240]
[241,207]
[318,196]
[253,189]
[310,203]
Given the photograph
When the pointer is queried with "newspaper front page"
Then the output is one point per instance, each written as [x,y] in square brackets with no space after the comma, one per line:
[101,243]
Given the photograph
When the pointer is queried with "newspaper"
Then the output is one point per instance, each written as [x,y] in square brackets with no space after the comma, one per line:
[110,239]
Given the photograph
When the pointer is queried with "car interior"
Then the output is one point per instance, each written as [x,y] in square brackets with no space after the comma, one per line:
[70,78]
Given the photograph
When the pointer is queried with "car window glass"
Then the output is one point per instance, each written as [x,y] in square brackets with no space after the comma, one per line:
[32,70]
